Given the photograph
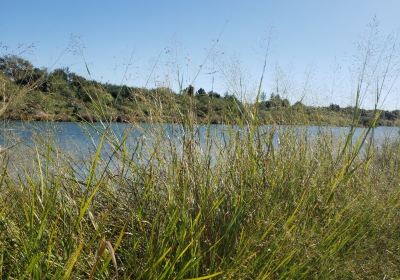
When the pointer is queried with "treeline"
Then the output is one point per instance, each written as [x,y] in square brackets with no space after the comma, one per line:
[61,95]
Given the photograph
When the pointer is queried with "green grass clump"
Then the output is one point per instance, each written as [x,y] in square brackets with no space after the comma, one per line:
[181,209]
[196,205]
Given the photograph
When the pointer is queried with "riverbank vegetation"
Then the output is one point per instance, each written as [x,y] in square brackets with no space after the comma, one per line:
[178,208]
[61,95]
[250,203]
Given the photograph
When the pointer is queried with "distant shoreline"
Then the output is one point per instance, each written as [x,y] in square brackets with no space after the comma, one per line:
[61,95]
[78,121]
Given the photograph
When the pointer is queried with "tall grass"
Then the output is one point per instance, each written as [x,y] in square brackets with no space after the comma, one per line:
[246,210]
[239,207]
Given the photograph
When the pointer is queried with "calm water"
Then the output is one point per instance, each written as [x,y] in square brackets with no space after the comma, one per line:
[82,138]
[78,142]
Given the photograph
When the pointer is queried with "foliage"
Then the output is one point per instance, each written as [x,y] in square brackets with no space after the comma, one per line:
[194,203]
[299,210]
[65,96]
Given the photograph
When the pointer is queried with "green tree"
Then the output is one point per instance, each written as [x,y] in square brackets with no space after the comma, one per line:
[201,91]
[189,90]
[20,70]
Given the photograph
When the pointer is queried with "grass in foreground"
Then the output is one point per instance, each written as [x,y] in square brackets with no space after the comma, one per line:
[310,208]
[250,207]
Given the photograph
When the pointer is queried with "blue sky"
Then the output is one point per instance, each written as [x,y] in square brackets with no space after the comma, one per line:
[312,53]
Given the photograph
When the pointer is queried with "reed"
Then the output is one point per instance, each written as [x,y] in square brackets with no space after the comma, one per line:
[243,206]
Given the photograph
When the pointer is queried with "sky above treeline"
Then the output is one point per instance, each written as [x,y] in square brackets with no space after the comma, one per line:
[314,48]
